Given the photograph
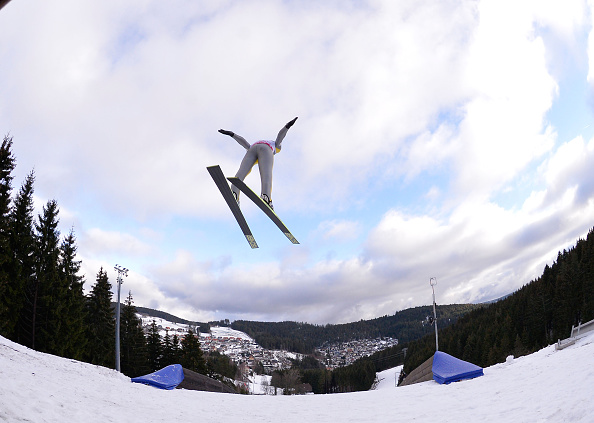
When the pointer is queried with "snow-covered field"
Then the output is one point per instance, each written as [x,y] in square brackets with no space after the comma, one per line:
[222,332]
[180,329]
[548,386]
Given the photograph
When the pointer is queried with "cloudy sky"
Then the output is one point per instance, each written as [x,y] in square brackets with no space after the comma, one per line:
[450,139]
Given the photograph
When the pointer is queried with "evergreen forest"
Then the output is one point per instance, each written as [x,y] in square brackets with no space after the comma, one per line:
[42,302]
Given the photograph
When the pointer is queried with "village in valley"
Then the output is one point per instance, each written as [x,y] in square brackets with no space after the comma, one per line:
[339,354]
[247,354]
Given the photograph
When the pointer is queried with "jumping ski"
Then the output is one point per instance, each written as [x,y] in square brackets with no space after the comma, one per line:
[219,178]
[265,207]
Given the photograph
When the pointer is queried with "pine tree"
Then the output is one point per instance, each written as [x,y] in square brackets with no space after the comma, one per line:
[133,360]
[176,351]
[167,357]
[154,347]
[50,291]
[7,164]
[192,357]
[100,323]
[74,319]
[19,295]
[220,365]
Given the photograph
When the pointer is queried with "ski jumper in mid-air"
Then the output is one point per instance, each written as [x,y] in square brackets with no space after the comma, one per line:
[261,152]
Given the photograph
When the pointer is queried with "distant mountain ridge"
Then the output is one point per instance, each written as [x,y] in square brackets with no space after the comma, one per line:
[166,316]
[496,300]
[158,314]
[405,325]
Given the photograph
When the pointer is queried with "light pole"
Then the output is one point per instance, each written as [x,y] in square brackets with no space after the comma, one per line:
[433,282]
[122,271]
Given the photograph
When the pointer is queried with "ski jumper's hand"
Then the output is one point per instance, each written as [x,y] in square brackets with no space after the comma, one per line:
[281,135]
[225,132]
[289,124]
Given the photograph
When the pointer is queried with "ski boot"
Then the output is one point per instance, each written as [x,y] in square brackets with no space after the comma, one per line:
[267,200]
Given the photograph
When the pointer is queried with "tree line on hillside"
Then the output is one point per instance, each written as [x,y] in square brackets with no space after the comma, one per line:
[304,338]
[540,313]
[43,305]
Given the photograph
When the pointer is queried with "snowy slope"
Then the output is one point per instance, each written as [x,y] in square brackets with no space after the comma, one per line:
[388,378]
[181,329]
[555,386]
[222,332]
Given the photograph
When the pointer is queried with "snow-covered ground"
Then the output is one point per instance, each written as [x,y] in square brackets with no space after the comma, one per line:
[388,378]
[260,385]
[222,332]
[548,386]
[165,325]
[181,329]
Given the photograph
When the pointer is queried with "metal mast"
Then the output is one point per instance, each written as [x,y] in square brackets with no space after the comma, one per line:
[122,271]
[433,282]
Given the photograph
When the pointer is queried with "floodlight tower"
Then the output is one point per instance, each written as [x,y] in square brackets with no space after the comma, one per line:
[433,282]
[122,271]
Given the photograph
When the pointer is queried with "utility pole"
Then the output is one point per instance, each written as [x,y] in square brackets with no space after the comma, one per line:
[122,271]
[433,282]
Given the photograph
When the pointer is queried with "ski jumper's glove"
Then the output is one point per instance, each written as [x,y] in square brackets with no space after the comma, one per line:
[288,125]
[225,132]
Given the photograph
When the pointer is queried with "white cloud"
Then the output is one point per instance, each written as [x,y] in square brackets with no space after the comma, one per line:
[134,101]
[339,229]
[99,242]
[591,45]
[119,121]
[571,166]
[562,18]
[481,250]
[503,129]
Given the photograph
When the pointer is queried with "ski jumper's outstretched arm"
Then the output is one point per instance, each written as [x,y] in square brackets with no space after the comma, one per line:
[281,135]
[241,140]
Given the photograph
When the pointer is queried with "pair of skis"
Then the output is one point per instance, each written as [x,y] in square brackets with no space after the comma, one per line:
[219,179]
